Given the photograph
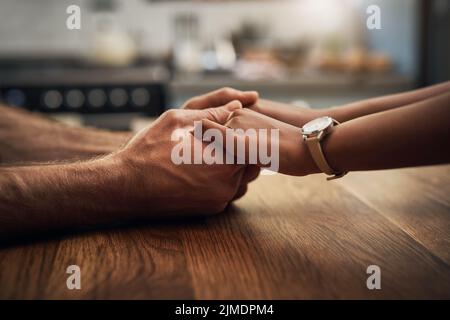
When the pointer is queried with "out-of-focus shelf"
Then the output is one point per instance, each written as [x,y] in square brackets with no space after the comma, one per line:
[320,80]
[320,89]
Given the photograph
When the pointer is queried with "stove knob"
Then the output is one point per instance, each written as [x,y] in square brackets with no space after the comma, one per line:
[15,97]
[96,98]
[118,97]
[74,98]
[140,97]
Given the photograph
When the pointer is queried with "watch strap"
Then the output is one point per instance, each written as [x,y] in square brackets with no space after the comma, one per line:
[316,152]
[315,149]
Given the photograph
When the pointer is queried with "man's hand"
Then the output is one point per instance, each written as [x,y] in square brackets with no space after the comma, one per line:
[221,97]
[41,139]
[156,182]
[138,181]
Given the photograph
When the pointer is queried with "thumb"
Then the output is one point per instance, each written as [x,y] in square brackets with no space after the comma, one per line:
[220,115]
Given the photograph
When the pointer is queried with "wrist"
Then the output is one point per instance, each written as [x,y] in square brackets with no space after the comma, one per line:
[308,165]
[111,187]
[302,162]
[304,115]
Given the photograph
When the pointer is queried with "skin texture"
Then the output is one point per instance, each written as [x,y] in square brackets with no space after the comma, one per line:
[137,180]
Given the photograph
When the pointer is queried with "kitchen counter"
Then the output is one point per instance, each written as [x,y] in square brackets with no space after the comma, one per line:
[288,238]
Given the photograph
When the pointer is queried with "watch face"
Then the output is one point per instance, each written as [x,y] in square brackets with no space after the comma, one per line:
[317,125]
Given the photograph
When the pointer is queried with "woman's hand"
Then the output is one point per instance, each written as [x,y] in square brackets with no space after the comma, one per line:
[291,152]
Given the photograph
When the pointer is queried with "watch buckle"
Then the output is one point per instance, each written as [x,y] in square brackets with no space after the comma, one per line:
[337,176]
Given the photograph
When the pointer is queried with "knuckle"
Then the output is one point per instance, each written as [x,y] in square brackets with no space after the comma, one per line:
[227,91]
[172,115]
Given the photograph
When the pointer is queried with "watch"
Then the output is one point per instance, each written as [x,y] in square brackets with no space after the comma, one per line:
[313,133]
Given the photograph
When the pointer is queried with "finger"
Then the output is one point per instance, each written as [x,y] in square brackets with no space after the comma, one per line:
[251,173]
[220,97]
[220,115]
[242,190]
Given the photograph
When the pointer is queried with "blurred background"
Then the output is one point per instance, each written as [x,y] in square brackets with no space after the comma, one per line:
[133,59]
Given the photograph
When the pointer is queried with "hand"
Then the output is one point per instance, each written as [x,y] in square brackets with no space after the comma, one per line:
[154,183]
[294,115]
[137,181]
[221,97]
[293,156]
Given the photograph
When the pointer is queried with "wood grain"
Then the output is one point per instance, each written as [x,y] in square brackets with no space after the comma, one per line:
[288,238]
[115,264]
[418,201]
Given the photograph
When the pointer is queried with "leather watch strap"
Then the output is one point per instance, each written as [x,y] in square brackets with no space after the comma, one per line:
[315,149]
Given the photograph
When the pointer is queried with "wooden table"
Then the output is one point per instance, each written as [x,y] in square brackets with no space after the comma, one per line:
[289,238]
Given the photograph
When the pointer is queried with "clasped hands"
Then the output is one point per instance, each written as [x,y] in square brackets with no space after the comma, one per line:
[142,180]
[153,180]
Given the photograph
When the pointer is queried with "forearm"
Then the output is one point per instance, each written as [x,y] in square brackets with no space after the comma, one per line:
[384,103]
[27,137]
[414,135]
[298,116]
[45,197]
